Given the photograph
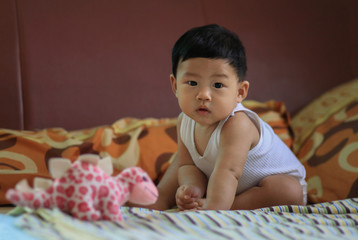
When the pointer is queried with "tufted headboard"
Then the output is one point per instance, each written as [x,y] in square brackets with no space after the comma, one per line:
[81,63]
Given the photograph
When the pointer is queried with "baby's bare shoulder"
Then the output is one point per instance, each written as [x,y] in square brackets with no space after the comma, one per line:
[240,126]
[239,120]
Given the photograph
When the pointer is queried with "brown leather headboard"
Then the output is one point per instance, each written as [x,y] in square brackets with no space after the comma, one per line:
[82,63]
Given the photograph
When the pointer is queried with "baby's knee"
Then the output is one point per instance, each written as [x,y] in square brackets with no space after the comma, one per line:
[286,187]
[294,192]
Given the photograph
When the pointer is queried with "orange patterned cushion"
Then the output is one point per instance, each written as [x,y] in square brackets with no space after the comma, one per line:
[326,142]
[276,115]
[148,143]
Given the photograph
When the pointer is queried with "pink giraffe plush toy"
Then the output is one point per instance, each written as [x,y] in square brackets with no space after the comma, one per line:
[85,189]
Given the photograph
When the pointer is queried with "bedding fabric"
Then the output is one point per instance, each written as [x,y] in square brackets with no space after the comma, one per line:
[330,220]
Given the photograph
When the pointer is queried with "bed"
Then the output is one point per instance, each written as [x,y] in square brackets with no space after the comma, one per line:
[335,220]
[130,142]
[70,84]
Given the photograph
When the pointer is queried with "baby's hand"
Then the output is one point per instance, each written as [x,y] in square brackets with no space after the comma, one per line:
[188,197]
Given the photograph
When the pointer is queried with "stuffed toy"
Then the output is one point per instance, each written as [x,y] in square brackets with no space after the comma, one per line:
[85,189]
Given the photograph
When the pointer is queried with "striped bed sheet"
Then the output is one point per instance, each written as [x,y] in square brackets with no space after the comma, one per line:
[330,220]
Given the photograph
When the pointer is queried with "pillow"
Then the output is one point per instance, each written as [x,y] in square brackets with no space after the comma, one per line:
[326,142]
[148,143]
[276,115]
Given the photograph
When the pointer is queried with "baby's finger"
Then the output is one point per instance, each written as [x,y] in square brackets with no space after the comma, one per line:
[190,191]
[201,201]
[186,199]
[191,210]
[187,206]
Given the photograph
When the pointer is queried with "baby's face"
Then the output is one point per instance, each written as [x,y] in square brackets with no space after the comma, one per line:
[207,89]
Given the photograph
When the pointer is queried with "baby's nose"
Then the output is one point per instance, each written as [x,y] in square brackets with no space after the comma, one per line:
[203,94]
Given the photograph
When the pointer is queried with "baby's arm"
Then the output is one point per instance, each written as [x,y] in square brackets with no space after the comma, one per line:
[192,182]
[238,136]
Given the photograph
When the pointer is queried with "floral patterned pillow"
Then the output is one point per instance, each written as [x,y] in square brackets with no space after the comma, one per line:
[326,142]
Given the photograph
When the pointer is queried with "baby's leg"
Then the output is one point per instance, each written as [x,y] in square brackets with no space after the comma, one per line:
[167,187]
[272,191]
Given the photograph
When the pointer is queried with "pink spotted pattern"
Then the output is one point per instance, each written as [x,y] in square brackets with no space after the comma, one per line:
[86,192]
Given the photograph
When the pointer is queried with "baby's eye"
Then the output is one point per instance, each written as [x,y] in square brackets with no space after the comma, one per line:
[192,83]
[218,85]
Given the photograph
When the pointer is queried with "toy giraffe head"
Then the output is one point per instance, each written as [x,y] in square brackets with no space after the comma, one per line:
[141,188]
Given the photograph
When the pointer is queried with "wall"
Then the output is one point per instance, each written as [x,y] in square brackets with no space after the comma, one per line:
[11,110]
[82,63]
[296,49]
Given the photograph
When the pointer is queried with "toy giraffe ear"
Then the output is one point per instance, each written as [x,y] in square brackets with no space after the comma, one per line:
[90,158]
[106,165]
[58,166]
[23,186]
[42,183]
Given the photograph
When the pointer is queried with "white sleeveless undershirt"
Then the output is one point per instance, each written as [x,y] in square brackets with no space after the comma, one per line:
[270,156]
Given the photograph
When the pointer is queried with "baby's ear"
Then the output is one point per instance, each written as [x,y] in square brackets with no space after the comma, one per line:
[173,83]
[243,90]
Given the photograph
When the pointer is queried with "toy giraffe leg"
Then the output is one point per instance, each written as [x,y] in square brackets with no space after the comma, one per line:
[86,211]
[111,210]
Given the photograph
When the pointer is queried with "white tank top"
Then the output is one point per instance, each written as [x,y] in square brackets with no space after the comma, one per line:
[270,156]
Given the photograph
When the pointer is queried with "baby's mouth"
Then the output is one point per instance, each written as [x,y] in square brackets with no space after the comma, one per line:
[202,110]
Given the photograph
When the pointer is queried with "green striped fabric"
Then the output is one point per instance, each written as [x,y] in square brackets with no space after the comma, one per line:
[333,220]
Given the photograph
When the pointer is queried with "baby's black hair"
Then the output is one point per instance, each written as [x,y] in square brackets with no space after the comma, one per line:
[210,41]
